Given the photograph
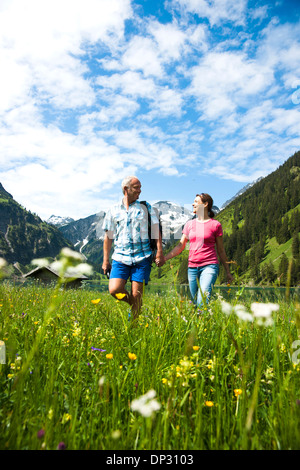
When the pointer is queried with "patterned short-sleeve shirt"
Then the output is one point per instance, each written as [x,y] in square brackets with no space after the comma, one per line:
[130,231]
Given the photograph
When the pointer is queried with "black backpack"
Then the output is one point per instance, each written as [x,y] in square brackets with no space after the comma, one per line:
[152,241]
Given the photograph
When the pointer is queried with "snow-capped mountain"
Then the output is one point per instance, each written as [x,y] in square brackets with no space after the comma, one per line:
[83,231]
[59,221]
[241,191]
[173,217]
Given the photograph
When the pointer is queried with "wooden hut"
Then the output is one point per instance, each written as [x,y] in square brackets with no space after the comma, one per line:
[47,275]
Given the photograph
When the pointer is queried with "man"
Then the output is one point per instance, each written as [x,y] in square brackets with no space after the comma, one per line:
[127,224]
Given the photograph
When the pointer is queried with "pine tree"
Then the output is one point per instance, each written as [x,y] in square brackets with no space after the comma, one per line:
[295,246]
[282,270]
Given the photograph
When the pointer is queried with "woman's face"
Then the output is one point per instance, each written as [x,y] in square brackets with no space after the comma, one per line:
[197,203]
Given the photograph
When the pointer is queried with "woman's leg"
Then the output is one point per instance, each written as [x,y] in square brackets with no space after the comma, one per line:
[193,278]
[208,277]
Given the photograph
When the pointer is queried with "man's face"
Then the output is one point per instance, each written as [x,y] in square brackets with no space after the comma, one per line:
[134,190]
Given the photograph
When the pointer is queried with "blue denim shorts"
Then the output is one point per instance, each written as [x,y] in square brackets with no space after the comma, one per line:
[138,272]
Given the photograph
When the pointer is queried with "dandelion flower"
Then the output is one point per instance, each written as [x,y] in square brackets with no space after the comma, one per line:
[209,404]
[132,356]
[109,356]
[196,348]
[238,392]
[95,301]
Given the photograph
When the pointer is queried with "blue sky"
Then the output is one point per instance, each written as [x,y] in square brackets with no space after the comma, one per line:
[189,95]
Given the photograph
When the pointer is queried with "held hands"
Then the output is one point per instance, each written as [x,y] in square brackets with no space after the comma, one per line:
[160,260]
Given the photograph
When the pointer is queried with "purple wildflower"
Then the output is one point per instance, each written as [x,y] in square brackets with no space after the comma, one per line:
[41,433]
[98,349]
[61,446]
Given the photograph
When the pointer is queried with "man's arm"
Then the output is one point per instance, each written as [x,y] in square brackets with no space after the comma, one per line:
[107,244]
[159,259]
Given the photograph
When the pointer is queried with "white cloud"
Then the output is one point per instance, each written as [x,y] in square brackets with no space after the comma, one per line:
[215,11]
[142,54]
[87,96]
[41,43]
[169,38]
[223,81]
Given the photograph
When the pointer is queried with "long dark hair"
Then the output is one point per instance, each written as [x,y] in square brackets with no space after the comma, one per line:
[207,198]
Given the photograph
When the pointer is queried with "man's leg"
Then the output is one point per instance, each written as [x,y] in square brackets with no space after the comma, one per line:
[136,297]
[117,286]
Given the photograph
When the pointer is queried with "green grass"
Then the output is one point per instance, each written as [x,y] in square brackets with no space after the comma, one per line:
[55,388]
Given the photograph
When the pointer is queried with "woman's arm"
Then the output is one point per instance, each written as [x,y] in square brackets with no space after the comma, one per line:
[223,258]
[177,249]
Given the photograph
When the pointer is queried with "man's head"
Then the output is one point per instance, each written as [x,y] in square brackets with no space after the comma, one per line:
[131,187]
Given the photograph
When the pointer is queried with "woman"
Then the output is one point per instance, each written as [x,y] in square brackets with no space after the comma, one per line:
[206,241]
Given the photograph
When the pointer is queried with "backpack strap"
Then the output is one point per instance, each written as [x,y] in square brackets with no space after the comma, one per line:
[149,218]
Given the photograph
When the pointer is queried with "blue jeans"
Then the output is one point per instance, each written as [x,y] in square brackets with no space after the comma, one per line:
[201,282]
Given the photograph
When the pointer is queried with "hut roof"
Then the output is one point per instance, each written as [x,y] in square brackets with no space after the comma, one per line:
[48,268]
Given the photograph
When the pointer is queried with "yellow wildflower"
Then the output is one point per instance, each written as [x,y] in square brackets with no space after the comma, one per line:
[66,417]
[209,403]
[196,348]
[238,391]
[109,356]
[120,296]
[132,356]
[95,301]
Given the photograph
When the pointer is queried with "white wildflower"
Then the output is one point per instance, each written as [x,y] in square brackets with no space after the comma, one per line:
[3,263]
[82,268]
[242,313]
[146,405]
[263,312]
[74,255]
[57,266]
[226,307]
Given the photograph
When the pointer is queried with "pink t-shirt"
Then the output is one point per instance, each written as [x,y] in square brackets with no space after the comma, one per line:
[202,237]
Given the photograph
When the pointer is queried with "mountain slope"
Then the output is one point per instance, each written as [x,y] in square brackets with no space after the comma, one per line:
[263,223]
[23,235]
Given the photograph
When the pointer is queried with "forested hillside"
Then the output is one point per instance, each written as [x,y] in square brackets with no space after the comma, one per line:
[23,235]
[262,227]
[261,231]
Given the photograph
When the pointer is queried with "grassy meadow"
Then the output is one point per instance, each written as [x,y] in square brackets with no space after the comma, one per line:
[79,375]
